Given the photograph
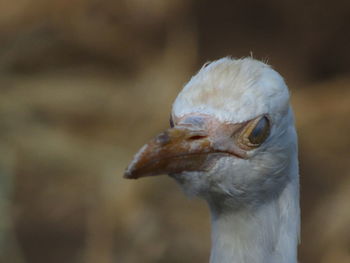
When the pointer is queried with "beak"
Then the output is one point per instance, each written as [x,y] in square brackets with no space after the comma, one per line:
[172,151]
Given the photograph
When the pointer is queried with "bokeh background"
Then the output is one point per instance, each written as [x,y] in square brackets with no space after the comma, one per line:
[85,83]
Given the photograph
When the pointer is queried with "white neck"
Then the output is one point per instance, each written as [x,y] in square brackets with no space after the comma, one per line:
[267,234]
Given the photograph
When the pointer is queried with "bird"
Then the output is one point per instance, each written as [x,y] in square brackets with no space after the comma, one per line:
[232,142]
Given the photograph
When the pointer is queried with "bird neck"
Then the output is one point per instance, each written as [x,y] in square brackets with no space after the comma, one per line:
[268,233]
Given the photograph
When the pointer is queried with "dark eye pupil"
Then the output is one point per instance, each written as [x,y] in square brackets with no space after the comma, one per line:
[260,132]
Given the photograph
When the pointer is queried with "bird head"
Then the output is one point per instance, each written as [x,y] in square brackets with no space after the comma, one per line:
[231,138]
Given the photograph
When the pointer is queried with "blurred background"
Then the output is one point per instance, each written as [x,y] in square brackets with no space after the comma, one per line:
[85,83]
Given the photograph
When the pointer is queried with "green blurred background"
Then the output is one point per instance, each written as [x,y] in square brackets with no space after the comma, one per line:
[85,83]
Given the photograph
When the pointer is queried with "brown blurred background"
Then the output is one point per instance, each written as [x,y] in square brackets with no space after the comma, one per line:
[84,83]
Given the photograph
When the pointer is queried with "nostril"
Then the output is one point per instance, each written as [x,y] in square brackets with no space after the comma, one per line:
[196,137]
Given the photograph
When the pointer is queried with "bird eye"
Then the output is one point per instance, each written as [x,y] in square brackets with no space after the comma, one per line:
[171,122]
[260,131]
[255,133]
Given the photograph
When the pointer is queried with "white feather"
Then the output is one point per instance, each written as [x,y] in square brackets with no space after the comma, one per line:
[234,91]
[254,202]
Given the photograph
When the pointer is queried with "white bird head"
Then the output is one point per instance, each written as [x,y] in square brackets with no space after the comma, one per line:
[232,136]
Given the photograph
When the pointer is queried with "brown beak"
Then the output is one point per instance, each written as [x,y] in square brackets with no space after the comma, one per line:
[172,151]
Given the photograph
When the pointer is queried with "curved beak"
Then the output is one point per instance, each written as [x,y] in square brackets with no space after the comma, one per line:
[172,151]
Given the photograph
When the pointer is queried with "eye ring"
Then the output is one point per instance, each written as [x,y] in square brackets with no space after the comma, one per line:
[254,133]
